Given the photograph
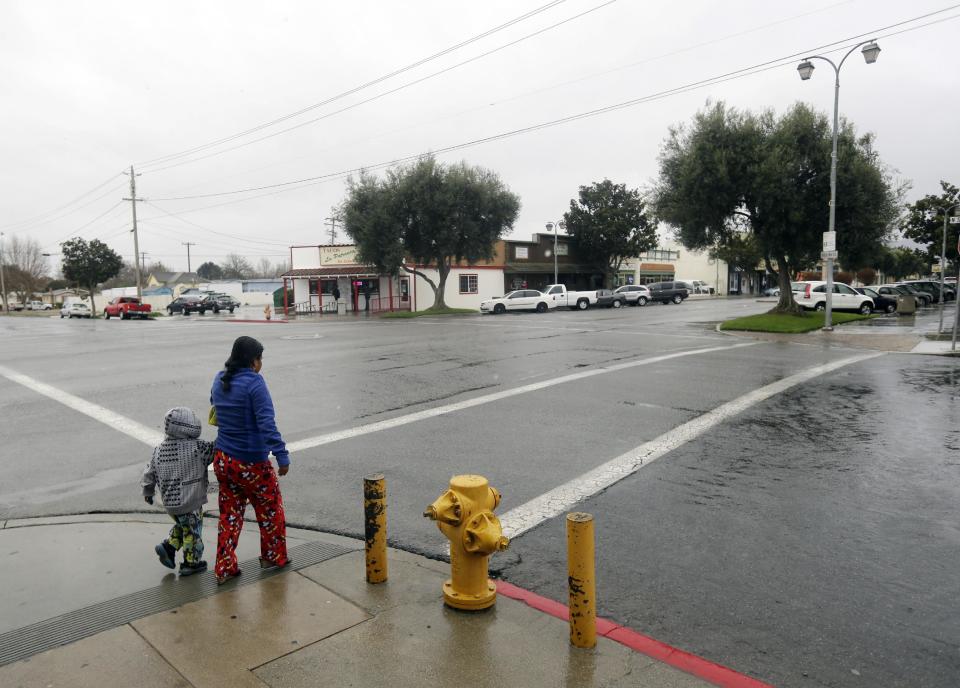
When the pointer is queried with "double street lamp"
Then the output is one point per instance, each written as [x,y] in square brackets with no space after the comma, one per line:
[943,260]
[870,52]
[552,227]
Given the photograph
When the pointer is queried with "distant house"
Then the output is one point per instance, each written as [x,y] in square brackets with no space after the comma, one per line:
[176,281]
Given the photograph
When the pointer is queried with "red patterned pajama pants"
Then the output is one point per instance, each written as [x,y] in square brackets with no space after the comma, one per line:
[255,483]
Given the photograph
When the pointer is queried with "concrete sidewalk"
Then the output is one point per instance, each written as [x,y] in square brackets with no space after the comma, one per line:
[87,604]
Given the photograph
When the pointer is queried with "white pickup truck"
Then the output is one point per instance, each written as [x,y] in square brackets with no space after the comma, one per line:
[577,300]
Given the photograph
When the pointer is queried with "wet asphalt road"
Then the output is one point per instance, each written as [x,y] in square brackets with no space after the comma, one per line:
[778,543]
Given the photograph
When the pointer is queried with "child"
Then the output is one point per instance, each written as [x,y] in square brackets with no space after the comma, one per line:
[179,466]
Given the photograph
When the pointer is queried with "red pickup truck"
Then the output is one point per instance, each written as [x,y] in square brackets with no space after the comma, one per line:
[126,307]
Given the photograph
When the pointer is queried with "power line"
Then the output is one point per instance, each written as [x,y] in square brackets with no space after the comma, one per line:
[391,91]
[74,232]
[213,231]
[355,89]
[32,220]
[728,76]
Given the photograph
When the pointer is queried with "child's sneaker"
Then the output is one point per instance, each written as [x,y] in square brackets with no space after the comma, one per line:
[166,553]
[190,569]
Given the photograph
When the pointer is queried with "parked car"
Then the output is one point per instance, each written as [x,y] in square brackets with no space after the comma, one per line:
[696,286]
[77,309]
[577,300]
[814,297]
[610,299]
[126,307]
[187,305]
[519,300]
[881,302]
[636,294]
[771,291]
[924,298]
[665,292]
[932,288]
[220,302]
[38,306]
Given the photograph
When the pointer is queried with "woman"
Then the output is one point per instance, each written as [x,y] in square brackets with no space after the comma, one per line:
[247,434]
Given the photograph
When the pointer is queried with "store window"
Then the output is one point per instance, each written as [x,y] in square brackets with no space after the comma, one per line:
[468,284]
[521,252]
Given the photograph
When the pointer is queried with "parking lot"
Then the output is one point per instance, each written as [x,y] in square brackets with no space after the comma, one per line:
[783,509]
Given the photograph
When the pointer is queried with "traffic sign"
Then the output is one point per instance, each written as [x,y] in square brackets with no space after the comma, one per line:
[829,241]
[955,220]
[829,255]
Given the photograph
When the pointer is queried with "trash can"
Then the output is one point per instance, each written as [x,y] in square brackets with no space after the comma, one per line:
[906,305]
[341,307]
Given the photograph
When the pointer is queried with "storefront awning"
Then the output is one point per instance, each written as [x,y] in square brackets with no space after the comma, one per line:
[328,272]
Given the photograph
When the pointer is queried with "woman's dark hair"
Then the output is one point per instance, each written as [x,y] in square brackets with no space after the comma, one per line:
[245,351]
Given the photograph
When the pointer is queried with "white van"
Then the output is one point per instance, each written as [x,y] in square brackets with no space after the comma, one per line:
[696,286]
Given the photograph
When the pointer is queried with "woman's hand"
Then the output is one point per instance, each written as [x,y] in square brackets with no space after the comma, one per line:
[283,470]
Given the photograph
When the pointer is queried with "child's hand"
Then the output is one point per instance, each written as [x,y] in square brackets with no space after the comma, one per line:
[148,500]
[283,470]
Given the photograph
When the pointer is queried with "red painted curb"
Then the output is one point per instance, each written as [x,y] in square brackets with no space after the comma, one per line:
[717,674]
[238,320]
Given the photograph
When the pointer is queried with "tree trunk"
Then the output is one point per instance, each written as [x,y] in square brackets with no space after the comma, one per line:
[430,282]
[444,270]
[786,304]
[93,306]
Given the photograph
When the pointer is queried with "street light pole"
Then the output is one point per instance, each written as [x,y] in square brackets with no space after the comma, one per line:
[943,260]
[552,226]
[870,52]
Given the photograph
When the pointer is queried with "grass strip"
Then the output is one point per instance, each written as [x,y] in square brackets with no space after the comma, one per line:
[789,324]
[429,311]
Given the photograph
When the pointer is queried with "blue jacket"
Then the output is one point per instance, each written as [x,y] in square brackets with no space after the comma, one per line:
[247,429]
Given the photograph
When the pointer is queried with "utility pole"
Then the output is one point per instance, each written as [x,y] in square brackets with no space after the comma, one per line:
[3,284]
[188,244]
[143,260]
[136,242]
[331,222]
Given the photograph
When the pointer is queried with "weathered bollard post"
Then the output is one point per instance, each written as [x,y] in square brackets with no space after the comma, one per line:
[581,580]
[375,526]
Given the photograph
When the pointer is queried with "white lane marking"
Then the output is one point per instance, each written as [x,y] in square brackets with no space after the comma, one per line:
[390,423]
[125,425]
[585,330]
[564,497]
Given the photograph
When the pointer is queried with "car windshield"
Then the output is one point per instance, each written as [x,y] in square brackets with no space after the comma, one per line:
[870,292]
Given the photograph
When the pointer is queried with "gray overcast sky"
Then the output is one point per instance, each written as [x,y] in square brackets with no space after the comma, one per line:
[90,88]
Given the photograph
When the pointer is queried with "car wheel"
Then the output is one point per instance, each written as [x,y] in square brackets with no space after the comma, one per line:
[61,316]
[822,306]
[866,308]
[541,307]
[202,311]
[169,311]
[583,304]
[642,301]
[499,309]
[617,303]
[216,310]
[677,299]
[106,315]
[891,308]
[124,315]
[231,310]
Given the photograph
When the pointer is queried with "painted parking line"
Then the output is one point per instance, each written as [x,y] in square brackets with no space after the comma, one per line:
[607,330]
[436,411]
[557,501]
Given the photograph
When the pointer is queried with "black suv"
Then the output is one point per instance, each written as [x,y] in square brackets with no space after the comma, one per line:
[665,292]
[219,302]
[187,305]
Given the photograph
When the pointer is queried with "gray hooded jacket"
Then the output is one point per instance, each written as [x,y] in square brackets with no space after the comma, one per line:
[179,464]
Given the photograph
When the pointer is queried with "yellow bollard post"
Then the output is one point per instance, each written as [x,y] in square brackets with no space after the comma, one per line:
[375,526]
[581,580]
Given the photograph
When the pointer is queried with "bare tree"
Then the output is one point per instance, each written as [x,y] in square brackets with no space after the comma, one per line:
[30,274]
[236,267]
[265,268]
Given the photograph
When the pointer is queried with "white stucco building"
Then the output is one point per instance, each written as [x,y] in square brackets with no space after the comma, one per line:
[320,274]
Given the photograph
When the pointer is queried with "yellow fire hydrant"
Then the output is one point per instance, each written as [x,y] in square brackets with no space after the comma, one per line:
[464,514]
